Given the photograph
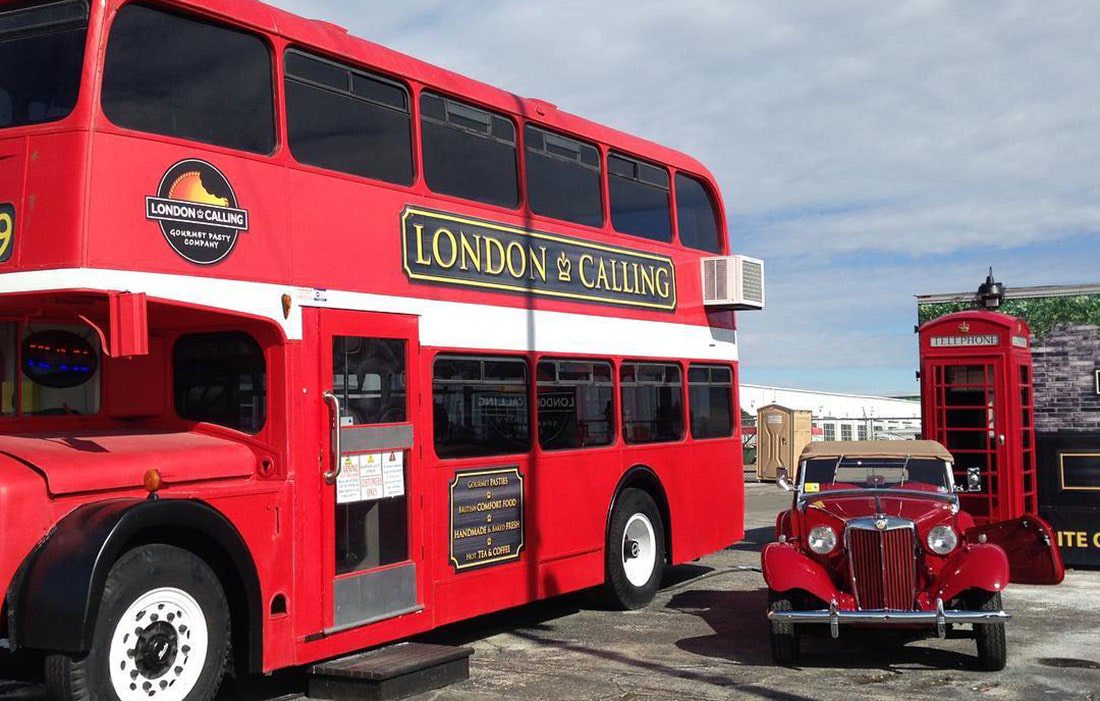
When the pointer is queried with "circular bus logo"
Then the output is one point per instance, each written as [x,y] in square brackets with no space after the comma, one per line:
[198,212]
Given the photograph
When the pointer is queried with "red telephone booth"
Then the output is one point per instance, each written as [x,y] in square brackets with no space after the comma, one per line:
[977,400]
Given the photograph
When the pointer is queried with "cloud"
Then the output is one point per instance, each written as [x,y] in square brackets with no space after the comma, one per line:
[861,146]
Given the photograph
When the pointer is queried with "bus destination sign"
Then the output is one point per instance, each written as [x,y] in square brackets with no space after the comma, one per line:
[448,249]
[486,517]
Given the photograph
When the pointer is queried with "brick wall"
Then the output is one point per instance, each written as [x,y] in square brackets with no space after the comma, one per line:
[1066,360]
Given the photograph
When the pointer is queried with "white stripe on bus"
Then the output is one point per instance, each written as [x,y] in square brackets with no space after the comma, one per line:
[442,324]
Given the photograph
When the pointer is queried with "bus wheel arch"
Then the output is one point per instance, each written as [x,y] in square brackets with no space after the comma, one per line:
[636,541]
[643,477]
[55,605]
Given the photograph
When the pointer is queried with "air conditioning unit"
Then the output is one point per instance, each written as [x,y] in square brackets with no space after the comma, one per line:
[733,283]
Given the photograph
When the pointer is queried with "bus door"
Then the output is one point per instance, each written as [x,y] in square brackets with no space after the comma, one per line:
[372,475]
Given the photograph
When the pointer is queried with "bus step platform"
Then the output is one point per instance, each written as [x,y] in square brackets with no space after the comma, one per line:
[389,673]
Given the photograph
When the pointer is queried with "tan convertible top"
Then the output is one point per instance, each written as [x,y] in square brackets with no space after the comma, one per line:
[876,449]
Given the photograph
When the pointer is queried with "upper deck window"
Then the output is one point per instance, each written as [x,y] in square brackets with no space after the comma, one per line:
[563,177]
[640,202]
[167,74]
[468,152]
[221,378]
[41,53]
[697,215]
[347,120]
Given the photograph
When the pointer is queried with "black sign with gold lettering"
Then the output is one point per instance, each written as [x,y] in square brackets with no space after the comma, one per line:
[452,250]
[486,517]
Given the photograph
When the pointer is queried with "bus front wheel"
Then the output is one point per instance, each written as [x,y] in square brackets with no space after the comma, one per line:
[635,551]
[161,634]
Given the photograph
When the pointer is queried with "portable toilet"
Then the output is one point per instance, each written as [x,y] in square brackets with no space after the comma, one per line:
[781,434]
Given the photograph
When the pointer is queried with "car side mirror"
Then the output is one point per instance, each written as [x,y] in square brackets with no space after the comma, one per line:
[973,479]
[781,479]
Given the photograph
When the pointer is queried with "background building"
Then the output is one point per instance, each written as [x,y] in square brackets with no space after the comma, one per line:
[836,416]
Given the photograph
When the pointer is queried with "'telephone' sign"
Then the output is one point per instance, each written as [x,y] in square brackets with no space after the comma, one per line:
[7,232]
[965,341]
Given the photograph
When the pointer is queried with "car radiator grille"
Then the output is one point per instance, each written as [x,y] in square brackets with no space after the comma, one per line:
[883,565]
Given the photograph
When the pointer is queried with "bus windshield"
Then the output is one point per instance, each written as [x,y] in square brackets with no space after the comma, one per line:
[41,53]
[876,473]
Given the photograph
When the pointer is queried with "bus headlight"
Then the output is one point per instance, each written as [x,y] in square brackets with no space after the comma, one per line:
[822,540]
[942,539]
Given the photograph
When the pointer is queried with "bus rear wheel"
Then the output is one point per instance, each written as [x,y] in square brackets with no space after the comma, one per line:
[635,551]
[161,634]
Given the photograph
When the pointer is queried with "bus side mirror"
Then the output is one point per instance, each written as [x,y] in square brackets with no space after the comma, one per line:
[973,479]
[781,479]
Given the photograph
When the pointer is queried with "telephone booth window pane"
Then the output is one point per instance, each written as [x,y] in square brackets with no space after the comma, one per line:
[369,379]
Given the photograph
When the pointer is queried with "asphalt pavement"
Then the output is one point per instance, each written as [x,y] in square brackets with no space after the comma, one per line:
[705,637]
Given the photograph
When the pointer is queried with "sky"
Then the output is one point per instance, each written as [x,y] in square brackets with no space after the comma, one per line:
[868,151]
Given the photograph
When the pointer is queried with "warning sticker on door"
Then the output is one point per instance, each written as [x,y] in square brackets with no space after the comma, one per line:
[371,476]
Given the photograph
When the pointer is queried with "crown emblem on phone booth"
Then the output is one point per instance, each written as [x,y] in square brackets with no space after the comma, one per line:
[964,327]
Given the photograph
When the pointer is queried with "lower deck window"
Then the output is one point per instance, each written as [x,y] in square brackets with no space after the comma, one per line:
[220,378]
[575,404]
[652,395]
[480,406]
[710,392]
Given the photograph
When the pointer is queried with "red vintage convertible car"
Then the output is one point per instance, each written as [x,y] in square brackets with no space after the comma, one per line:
[875,537]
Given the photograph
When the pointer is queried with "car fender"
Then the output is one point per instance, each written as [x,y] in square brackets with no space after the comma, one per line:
[54,599]
[786,568]
[783,524]
[978,566]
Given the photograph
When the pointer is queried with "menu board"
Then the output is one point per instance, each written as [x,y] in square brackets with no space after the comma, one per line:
[486,517]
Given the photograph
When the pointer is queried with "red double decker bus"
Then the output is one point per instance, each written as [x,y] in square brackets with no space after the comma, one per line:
[306,346]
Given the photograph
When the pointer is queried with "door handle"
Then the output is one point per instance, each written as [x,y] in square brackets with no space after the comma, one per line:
[334,418]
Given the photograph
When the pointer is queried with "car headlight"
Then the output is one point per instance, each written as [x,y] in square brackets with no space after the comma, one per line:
[942,539]
[822,540]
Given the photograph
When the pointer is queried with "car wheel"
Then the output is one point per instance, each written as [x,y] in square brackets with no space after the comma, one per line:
[161,634]
[635,551]
[990,637]
[784,636]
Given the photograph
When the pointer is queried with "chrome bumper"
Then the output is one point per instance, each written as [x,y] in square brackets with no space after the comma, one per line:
[939,618]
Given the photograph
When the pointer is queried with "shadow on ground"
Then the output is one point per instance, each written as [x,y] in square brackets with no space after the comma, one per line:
[741,629]
[755,539]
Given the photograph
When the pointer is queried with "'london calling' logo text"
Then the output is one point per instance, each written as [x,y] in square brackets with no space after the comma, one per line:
[447,249]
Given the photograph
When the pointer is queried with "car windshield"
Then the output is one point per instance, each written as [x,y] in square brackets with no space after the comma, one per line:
[41,52]
[925,474]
